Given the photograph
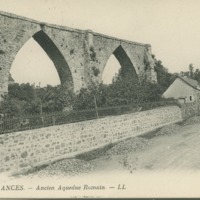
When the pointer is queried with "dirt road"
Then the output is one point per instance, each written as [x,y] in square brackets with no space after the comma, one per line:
[172,147]
[180,150]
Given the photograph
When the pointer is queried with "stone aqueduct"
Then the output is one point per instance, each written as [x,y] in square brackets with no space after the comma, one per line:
[77,54]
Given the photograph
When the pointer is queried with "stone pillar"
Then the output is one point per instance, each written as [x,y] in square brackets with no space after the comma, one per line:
[150,74]
[90,59]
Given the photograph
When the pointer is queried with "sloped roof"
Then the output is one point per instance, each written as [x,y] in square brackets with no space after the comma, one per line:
[193,83]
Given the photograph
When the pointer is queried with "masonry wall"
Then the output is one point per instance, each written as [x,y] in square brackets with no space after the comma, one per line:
[16,31]
[190,109]
[104,48]
[25,149]
[82,51]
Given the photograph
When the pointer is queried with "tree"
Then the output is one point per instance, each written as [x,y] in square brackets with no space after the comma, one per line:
[197,75]
[125,89]
[11,107]
[25,99]
[193,74]
[23,92]
[163,76]
[53,99]
[191,69]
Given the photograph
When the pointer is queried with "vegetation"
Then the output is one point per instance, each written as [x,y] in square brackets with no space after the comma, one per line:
[26,99]
[192,73]
[163,76]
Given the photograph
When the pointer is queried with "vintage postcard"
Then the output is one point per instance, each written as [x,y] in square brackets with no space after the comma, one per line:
[99,99]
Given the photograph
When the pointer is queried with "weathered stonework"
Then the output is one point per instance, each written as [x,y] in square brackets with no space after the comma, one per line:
[75,53]
[25,149]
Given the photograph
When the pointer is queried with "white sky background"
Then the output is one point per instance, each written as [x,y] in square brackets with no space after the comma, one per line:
[172,27]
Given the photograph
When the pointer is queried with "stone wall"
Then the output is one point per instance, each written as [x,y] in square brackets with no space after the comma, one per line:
[76,54]
[25,149]
[190,109]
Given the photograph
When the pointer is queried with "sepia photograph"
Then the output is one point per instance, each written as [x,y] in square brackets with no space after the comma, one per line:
[99,98]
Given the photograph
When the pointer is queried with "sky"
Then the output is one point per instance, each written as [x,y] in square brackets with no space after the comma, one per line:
[172,27]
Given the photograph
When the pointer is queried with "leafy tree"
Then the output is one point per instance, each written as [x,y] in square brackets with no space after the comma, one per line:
[23,92]
[125,89]
[53,99]
[32,108]
[197,75]
[193,74]
[25,99]
[11,107]
[163,76]
[191,69]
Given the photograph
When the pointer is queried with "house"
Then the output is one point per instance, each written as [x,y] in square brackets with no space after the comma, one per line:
[184,89]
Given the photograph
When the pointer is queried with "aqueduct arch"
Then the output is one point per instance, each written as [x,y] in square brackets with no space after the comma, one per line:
[58,59]
[75,53]
[55,56]
[124,61]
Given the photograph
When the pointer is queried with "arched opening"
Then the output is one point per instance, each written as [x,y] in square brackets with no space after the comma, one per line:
[39,61]
[111,70]
[32,65]
[118,60]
